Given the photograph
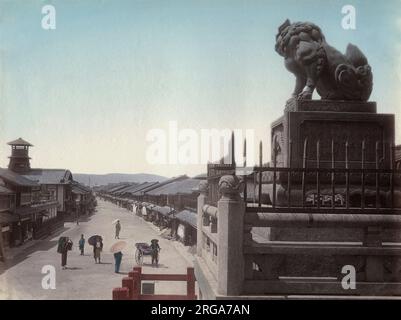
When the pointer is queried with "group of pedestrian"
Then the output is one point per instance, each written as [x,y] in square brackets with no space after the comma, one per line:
[65,244]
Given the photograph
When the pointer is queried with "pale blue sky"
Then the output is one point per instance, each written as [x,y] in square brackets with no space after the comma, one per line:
[87,93]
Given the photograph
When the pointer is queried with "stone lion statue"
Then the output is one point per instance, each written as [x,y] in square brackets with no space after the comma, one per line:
[317,65]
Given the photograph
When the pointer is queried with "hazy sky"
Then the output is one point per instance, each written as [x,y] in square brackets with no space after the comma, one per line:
[87,93]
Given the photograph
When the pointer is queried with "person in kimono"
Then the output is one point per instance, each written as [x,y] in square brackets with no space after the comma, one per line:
[118,229]
[81,244]
[64,245]
[155,251]
[117,259]
[97,249]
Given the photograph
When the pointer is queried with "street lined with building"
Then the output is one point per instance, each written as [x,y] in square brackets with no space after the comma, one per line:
[83,279]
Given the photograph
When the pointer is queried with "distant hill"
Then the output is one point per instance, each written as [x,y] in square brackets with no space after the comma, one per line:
[104,179]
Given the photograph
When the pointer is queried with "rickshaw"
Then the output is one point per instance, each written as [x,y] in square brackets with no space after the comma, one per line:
[144,249]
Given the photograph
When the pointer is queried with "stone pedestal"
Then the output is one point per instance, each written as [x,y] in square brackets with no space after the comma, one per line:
[333,124]
[327,121]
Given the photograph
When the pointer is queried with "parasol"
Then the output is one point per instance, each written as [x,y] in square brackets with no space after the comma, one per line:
[115,221]
[118,246]
[92,240]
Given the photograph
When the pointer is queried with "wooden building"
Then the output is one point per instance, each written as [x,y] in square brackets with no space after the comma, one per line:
[162,216]
[25,191]
[397,157]
[32,201]
[82,200]
[184,227]
[7,218]
[55,184]
[170,204]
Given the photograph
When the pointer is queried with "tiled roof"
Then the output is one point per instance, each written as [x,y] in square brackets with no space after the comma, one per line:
[108,187]
[165,211]
[131,188]
[118,186]
[141,187]
[49,176]
[4,190]
[186,186]
[187,216]
[16,179]
[125,188]
[20,142]
[161,184]
[79,188]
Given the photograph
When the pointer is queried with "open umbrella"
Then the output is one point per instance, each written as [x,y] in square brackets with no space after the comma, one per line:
[118,246]
[92,240]
[115,221]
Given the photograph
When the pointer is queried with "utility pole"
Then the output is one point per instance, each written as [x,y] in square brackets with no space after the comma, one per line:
[77,214]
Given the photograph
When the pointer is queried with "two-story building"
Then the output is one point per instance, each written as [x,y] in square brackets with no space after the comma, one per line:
[83,200]
[40,195]
[7,218]
[22,217]
[54,183]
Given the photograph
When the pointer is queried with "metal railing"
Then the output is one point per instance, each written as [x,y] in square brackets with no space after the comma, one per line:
[322,185]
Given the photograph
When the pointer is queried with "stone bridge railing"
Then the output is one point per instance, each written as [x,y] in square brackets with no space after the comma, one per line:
[220,237]
[230,263]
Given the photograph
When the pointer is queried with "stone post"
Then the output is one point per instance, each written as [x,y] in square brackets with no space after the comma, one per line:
[230,229]
[213,225]
[202,198]
[374,264]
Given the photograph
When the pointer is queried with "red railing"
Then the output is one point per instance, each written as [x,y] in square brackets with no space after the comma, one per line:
[131,286]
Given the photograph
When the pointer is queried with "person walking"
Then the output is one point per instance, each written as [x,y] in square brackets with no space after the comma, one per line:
[97,249]
[82,244]
[118,229]
[64,245]
[117,259]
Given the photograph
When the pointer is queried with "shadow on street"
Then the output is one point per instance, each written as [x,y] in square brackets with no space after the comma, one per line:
[44,245]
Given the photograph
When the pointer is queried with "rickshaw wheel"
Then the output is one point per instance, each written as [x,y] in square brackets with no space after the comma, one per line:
[138,257]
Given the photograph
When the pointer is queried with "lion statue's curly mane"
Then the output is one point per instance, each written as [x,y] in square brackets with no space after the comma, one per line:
[317,65]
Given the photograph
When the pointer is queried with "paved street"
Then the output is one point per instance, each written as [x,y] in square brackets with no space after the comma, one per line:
[21,277]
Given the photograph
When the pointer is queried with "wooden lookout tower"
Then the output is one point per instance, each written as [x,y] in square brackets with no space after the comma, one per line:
[19,159]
